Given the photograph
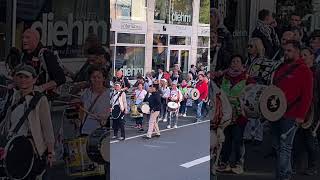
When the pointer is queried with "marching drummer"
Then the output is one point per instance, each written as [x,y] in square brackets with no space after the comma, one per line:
[164,92]
[94,101]
[119,109]
[140,94]
[184,90]
[175,95]
[154,101]
[202,86]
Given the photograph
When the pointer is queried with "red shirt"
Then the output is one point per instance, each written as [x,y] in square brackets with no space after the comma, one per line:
[297,84]
[202,86]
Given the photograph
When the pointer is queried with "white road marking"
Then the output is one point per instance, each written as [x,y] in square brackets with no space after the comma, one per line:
[152,146]
[195,162]
[167,142]
[133,137]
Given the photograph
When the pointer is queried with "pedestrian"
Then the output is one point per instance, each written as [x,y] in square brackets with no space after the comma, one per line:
[235,79]
[203,88]
[119,109]
[154,102]
[305,136]
[193,71]
[174,96]
[184,90]
[29,108]
[255,50]
[295,79]
[266,33]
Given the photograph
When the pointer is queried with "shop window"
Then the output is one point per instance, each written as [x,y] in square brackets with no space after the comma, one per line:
[159,57]
[203,41]
[202,57]
[180,40]
[128,9]
[131,38]
[204,13]
[173,12]
[160,39]
[130,60]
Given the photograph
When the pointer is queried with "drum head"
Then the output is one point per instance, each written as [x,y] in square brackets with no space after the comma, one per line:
[173,105]
[145,108]
[195,94]
[19,157]
[103,150]
[273,103]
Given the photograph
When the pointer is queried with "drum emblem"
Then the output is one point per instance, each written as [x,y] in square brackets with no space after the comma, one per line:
[273,103]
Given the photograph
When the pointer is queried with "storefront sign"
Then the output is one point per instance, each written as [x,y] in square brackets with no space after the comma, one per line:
[203,31]
[180,17]
[129,27]
[131,71]
[175,30]
[60,33]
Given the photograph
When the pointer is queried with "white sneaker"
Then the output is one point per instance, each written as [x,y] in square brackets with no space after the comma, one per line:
[165,120]
[175,126]
[184,115]
[168,126]
[114,137]
[160,119]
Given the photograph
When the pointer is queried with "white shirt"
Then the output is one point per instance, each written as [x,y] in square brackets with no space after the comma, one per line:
[140,95]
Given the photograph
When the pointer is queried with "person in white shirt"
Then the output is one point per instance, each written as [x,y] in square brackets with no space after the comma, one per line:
[164,93]
[140,94]
[175,95]
[119,106]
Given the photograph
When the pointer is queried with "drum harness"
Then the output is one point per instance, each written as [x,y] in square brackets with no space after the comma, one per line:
[113,94]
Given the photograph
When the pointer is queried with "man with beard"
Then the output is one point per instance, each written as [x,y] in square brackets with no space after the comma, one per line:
[295,79]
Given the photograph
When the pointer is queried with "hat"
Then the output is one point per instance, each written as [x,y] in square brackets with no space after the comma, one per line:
[315,33]
[26,70]
[117,83]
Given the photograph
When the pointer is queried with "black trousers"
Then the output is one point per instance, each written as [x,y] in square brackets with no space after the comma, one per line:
[119,124]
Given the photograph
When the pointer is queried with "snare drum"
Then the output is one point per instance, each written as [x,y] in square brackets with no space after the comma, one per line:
[173,106]
[18,157]
[97,146]
[78,164]
[268,101]
[144,108]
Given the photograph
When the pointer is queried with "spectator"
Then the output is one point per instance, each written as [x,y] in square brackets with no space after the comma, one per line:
[266,33]
[255,50]
[315,44]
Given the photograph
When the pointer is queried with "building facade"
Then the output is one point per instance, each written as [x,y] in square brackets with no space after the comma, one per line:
[146,34]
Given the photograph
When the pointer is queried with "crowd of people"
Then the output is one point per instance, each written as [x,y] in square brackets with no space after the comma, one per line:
[166,94]
[285,57]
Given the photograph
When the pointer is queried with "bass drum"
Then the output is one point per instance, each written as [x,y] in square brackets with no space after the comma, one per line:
[144,108]
[97,146]
[266,101]
[17,157]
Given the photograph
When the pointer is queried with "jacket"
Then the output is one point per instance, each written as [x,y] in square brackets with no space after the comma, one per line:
[155,101]
[203,90]
[297,87]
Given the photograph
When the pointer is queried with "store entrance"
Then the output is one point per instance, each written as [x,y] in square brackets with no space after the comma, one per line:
[181,57]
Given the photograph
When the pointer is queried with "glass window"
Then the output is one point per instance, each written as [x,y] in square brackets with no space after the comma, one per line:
[131,38]
[203,41]
[180,40]
[204,15]
[130,60]
[159,57]
[112,37]
[202,56]
[173,12]
[129,9]
[160,39]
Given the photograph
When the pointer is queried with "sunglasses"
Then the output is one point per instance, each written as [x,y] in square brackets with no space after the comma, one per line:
[250,46]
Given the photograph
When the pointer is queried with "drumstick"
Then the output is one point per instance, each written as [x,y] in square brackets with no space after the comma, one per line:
[7,87]
[314,132]
[86,111]
[284,136]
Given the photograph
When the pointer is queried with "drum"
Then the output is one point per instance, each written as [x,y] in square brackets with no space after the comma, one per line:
[97,146]
[15,151]
[134,111]
[116,112]
[194,94]
[78,164]
[173,106]
[144,108]
[268,101]
[261,70]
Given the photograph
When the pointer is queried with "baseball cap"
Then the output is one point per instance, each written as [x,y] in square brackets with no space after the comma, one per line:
[26,70]
[117,83]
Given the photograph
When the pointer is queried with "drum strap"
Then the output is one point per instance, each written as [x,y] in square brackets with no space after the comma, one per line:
[33,103]
[90,109]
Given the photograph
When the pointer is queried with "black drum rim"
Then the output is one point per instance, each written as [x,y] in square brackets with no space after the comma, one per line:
[5,166]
